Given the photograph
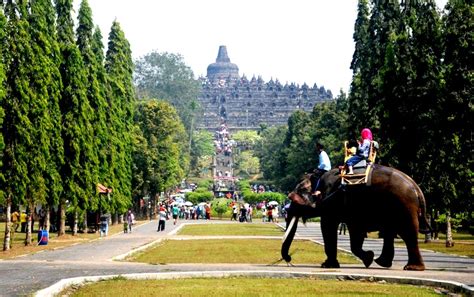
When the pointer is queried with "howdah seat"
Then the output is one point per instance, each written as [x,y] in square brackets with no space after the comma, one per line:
[362,169]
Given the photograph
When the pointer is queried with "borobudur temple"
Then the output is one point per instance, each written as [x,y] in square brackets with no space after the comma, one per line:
[246,104]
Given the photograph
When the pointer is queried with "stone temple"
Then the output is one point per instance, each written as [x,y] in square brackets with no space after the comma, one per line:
[246,104]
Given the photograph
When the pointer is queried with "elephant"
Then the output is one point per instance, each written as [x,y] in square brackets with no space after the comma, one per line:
[390,202]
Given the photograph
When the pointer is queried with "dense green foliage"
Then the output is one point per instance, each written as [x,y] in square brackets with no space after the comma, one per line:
[412,86]
[288,153]
[202,150]
[69,116]
[119,69]
[158,148]
[200,195]
[254,198]
[166,76]
[96,97]
[414,72]
[2,88]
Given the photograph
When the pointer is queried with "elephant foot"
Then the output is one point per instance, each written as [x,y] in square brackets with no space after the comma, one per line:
[330,264]
[414,267]
[368,258]
[384,263]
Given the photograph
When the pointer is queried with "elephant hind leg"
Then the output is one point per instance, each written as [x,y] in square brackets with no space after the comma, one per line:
[415,261]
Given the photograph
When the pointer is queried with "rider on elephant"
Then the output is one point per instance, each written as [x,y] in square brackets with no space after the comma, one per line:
[362,150]
[323,167]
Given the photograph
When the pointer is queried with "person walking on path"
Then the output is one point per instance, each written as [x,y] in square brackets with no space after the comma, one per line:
[104,225]
[130,218]
[175,211]
[234,213]
[162,219]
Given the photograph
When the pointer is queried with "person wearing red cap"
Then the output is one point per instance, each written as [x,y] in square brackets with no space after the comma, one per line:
[162,221]
[362,150]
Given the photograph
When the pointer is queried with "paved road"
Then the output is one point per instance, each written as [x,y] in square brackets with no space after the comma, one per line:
[25,275]
[433,260]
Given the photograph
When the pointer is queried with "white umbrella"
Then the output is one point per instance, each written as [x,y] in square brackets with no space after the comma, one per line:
[188,203]
[202,203]
[273,203]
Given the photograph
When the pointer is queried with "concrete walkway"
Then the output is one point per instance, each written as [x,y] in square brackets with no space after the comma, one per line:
[25,275]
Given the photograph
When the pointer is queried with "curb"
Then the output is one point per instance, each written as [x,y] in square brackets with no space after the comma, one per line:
[78,281]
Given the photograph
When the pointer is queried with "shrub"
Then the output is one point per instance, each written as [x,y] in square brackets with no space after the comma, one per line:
[200,195]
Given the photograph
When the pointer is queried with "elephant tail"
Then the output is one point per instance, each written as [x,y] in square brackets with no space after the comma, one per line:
[425,227]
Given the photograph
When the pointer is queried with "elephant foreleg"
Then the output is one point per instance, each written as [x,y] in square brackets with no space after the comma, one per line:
[329,230]
[388,252]
[357,240]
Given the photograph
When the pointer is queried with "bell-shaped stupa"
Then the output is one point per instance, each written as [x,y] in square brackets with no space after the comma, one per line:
[222,68]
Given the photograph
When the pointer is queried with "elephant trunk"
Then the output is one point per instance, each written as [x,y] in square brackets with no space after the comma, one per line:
[288,238]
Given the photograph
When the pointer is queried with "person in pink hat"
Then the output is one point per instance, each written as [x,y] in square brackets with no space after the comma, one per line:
[362,150]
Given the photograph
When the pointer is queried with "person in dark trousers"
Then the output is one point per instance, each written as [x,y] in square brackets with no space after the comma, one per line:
[162,219]
[324,165]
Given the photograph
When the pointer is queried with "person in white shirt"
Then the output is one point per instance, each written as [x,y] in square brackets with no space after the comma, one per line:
[323,166]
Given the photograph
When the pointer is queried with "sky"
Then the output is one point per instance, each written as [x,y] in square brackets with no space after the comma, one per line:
[300,41]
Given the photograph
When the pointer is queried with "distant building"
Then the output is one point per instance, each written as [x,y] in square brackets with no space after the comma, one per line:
[245,104]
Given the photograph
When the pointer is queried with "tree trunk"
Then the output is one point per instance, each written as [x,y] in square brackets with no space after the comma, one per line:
[428,236]
[120,219]
[74,228]
[29,224]
[449,233]
[62,218]
[86,230]
[47,218]
[114,218]
[9,231]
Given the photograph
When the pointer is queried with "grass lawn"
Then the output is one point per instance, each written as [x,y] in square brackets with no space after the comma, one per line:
[463,243]
[239,286]
[459,248]
[256,251]
[19,248]
[236,229]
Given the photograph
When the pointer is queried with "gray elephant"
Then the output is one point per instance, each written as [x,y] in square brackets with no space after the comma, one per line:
[391,202]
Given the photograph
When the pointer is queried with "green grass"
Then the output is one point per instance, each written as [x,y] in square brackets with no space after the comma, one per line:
[253,251]
[463,249]
[463,243]
[235,229]
[239,286]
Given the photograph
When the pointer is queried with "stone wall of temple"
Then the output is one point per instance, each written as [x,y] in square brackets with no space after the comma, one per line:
[245,104]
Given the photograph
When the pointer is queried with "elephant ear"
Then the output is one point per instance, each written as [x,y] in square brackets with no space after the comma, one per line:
[298,199]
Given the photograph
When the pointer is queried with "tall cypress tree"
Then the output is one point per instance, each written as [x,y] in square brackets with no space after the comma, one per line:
[38,147]
[3,40]
[3,23]
[97,48]
[410,84]
[358,97]
[119,68]
[95,95]
[17,127]
[77,172]
[46,82]
[385,15]
[457,109]
[56,160]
